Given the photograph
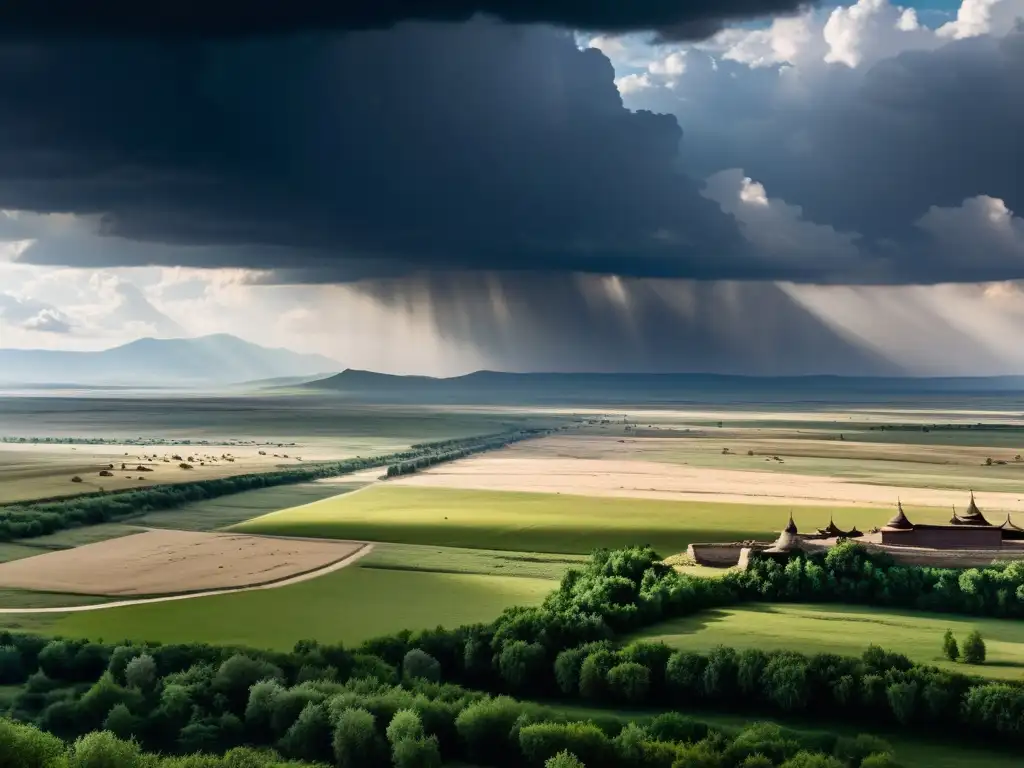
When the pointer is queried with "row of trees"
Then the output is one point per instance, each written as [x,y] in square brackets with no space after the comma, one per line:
[21,521]
[366,722]
[454,449]
[568,647]
[848,573]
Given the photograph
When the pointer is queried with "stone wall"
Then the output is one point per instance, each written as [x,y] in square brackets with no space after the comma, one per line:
[945,537]
[721,555]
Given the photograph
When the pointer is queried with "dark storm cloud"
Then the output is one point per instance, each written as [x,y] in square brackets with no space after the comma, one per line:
[197,19]
[925,128]
[471,146]
[872,151]
[586,323]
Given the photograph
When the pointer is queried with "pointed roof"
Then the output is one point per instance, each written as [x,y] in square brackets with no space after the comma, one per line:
[955,520]
[787,540]
[853,533]
[899,521]
[973,515]
[832,529]
[1009,525]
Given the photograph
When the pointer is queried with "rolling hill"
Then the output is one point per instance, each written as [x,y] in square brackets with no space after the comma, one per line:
[495,387]
[206,360]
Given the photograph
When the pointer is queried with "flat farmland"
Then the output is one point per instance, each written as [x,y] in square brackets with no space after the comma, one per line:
[171,562]
[848,631]
[46,441]
[350,605]
[42,470]
[951,467]
[562,465]
[223,511]
[544,522]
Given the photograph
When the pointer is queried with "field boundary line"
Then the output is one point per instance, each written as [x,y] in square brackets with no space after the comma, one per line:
[364,549]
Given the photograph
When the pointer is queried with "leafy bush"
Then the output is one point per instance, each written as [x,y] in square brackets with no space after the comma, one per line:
[974,648]
[949,647]
[419,664]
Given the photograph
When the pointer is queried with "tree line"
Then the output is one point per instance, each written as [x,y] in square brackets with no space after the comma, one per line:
[574,646]
[324,704]
[27,520]
[452,450]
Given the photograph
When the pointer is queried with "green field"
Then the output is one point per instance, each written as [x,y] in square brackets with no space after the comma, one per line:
[347,606]
[211,514]
[848,631]
[11,551]
[539,522]
[77,537]
[411,557]
[394,588]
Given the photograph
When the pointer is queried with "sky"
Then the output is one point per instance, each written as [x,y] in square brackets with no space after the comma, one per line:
[744,186]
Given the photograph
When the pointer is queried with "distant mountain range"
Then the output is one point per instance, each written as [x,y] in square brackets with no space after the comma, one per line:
[493,387]
[207,360]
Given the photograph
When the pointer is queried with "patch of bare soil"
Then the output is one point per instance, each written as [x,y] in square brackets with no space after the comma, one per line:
[512,471]
[169,562]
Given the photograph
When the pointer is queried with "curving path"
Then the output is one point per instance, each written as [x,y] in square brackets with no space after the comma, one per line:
[360,553]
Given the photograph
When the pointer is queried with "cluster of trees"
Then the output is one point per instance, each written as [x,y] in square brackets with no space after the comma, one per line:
[973,648]
[180,699]
[451,450]
[848,573]
[257,713]
[21,521]
[28,747]
[566,648]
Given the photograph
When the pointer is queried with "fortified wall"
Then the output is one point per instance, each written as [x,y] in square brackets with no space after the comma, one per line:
[968,541]
[724,555]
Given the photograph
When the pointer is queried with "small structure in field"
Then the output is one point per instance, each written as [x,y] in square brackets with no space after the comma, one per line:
[968,540]
[789,539]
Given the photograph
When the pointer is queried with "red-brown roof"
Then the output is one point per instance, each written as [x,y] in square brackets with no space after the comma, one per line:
[899,521]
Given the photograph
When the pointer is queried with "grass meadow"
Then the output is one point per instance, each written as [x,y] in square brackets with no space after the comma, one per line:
[350,605]
[848,631]
[395,587]
[551,523]
[213,514]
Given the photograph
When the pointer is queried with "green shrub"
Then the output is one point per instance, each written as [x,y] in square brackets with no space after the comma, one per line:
[949,647]
[564,760]
[420,665]
[974,648]
[541,741]
[140,672]
[356,743]
[629,682]
[421,752]
[406,724]
[485,728]
[523,665]
[309,737]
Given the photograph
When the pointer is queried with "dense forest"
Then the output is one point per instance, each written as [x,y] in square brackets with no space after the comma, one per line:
[329,703]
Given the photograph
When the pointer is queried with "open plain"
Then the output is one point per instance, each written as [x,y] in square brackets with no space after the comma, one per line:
[459,542]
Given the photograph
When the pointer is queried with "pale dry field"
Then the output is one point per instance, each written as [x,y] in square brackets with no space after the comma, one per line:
[39,471]
[169,562]
[551,466]
[764,443]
